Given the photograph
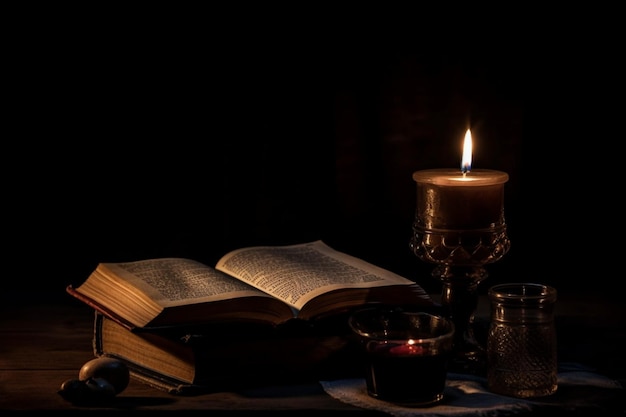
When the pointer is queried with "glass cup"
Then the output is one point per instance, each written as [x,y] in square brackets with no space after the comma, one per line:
[521,344]
[406,354]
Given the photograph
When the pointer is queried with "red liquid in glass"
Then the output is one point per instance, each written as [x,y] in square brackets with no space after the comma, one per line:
[404,374]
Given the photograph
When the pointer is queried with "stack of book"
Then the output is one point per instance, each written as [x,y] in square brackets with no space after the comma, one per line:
[262,315]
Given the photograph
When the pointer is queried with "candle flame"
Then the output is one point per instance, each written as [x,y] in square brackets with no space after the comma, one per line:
[466,162]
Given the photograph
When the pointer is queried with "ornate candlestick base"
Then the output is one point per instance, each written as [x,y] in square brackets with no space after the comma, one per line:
[459,257]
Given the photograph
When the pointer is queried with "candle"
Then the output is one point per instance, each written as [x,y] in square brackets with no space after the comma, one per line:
[464,199]
[409,348]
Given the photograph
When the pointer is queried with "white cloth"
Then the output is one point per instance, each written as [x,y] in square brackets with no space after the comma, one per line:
[464,395]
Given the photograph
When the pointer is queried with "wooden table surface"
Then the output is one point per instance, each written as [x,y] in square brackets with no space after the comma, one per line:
[46,338]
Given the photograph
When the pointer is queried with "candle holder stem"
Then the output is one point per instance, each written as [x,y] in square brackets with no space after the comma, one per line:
[459,300]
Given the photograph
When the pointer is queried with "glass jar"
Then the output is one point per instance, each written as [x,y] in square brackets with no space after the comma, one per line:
[521,343]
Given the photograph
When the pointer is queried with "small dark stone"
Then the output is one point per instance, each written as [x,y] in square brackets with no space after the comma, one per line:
[75,391]
[91,391]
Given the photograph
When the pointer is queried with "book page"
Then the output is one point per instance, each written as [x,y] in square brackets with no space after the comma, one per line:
[297,273]
[179,281]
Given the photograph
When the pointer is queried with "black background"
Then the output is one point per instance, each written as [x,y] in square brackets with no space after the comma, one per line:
[129,143]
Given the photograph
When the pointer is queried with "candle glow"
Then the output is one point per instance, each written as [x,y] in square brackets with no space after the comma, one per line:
[409,348]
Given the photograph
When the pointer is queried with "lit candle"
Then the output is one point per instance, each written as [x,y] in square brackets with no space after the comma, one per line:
[462,199]
[409,348]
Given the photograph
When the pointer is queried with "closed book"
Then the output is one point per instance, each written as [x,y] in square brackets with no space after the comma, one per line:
[188,361]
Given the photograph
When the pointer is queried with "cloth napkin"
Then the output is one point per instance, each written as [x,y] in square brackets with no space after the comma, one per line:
[467,395]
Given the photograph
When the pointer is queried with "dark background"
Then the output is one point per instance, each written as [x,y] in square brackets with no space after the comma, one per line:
[137,144]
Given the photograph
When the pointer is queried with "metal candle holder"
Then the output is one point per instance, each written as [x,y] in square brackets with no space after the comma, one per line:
[460,256]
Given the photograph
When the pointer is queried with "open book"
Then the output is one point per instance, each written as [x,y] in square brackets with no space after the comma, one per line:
[266,284]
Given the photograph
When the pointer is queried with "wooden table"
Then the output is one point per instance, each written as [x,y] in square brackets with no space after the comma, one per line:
[45,339]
